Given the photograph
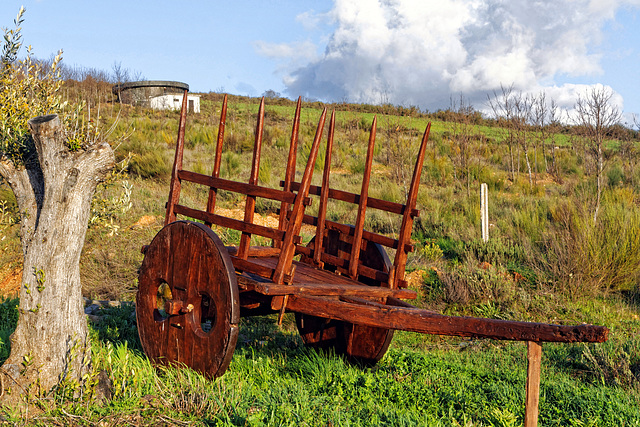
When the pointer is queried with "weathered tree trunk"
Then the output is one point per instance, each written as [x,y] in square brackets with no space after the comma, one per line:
[54,192]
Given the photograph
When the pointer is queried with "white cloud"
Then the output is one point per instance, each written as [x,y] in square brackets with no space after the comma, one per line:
[301,50]
[310,19]
[414,52]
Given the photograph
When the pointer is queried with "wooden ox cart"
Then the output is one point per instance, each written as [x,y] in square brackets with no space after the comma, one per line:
[343,289]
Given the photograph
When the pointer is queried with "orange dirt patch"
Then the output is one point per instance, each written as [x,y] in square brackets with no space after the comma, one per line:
[271,220]
[144,222]
[10,281]
[415,279]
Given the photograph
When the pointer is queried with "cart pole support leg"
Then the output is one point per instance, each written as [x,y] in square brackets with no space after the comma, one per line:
[534,357]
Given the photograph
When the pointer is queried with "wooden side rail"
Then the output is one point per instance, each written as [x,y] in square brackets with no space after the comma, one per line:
[175,187]
[217,160]
[345,196]
[234,224]
[290,172]
[240,187]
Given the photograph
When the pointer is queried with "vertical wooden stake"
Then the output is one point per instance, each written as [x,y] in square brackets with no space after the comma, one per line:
[290,173]
[362,205]
[174,189]
[250,203]
[213,192]
[534,357]
[324,194]
[396,275]
[484,209]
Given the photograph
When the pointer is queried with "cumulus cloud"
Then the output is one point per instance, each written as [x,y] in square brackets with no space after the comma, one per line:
[412,52]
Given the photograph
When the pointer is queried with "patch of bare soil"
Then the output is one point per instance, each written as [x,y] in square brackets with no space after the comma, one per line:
[144,222]
[415,279]
[10,279]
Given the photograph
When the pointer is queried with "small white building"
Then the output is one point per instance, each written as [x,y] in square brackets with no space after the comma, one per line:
[174,102]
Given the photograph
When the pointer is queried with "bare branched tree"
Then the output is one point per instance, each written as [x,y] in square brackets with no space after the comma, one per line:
[554,126]
[461,135]
[522,113]
[596,114]
[120,74]
[540,119]
[503,107]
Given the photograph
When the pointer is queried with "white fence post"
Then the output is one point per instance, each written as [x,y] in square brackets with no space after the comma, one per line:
[484,209]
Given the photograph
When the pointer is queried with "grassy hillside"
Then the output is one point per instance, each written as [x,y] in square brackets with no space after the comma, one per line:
[547,260]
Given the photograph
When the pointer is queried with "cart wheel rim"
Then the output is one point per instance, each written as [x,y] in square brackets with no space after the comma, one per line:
[360,344]
[187,263]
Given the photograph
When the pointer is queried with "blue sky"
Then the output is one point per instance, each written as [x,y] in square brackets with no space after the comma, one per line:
[407,52]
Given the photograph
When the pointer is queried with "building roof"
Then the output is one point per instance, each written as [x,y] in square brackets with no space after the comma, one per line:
[148,84]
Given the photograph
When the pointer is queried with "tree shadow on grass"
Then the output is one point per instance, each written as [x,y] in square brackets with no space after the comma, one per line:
[8,323]
[117,325]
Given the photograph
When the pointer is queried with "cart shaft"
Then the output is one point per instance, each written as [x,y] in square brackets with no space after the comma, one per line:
[424,321]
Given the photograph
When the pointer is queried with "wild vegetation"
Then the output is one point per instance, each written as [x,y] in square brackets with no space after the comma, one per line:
[564,248]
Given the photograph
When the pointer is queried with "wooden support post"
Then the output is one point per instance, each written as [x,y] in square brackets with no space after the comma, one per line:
[250,204]
[174,189]
[213,192]
[287,281]
[324,194]
[484,210]
[362,206]
[534,358]
[290,174]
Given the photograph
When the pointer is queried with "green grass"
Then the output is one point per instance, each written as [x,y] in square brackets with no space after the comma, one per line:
[274,380]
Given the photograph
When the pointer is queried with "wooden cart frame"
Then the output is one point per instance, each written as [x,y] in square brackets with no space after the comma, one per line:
[345,292]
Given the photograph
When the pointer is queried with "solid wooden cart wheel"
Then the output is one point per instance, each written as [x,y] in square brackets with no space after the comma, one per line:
[187,304]
[359,344]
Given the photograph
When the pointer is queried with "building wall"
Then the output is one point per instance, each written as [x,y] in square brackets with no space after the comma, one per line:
[174,102]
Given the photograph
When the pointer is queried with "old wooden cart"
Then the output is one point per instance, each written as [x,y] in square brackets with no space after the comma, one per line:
[343,289]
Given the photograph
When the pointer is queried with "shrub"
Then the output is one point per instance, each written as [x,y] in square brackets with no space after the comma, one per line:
[432,252]
[497,251]
[614,363]
[589,258]
[615,176]
[231,164]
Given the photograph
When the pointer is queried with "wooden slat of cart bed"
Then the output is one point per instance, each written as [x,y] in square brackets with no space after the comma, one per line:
[312,281]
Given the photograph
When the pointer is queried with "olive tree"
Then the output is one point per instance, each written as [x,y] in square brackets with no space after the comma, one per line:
[53,174]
